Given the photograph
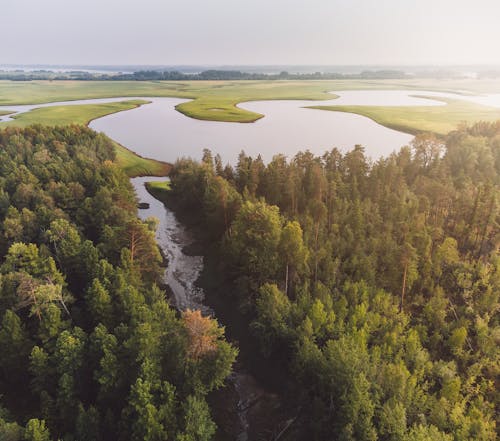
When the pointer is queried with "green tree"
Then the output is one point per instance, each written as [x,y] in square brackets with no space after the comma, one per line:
[10,431]
[293,252]
[198,425]
[150,421]
[99,303]
[273,312]
[36,431]
[425,433]
[254,242]
[87,424]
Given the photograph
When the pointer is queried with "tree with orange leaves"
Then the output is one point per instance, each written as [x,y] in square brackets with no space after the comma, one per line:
[210,356]
[202,332]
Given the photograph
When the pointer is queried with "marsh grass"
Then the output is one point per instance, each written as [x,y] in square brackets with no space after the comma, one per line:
[218,100]
[63,115]
[415,119]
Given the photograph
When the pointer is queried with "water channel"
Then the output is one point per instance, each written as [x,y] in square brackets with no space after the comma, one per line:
[181,275]
[158,131]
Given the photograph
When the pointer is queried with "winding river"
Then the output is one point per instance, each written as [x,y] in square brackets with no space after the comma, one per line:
[181,275]
[182,270]
[288,127]
[158,131]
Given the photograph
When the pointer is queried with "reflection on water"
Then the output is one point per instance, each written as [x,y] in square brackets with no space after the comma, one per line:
[157,130]
[388,98]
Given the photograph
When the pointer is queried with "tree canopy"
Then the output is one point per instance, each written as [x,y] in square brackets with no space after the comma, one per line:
[90,348]
[375,284]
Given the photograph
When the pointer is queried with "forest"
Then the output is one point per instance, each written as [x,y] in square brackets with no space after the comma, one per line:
[193,73]
[206,75]
[372,285]
[90,347]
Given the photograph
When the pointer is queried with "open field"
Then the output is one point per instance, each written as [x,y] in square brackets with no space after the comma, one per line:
[134,165]
[158,189]
[212,100]
[37,92]
[62,115]
[415,119]
[217,100]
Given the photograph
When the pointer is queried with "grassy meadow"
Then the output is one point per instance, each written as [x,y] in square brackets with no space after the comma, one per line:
[158,189]
[62,115]
[134,165]
[217,100]
[415,119]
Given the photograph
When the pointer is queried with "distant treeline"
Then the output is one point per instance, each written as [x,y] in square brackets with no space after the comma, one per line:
[238,75]
[156,75]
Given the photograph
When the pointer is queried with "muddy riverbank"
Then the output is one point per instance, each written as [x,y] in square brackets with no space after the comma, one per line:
[247,409]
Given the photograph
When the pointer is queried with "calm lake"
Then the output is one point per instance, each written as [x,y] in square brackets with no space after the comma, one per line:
[158,131]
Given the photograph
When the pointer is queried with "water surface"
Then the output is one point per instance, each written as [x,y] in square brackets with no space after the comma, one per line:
[388,98]
[182,270]
[158,131]
[28,107]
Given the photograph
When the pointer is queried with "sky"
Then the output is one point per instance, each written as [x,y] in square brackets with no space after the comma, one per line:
[250,32]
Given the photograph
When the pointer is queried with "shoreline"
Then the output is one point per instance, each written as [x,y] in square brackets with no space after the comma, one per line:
[220,100]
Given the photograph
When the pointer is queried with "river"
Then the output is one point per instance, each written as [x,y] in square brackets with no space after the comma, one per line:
[181,274]
[183,270]
[158,131]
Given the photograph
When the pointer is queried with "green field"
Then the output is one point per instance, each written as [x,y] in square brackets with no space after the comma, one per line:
[135,165]
[416,119]
[159,189]
[217,100]
[158,186]
[212,100]
[62,115]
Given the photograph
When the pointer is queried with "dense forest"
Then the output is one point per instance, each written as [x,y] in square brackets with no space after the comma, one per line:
[374,285]
[89,347]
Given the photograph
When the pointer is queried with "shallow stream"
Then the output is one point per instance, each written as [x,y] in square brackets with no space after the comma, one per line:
[181,275]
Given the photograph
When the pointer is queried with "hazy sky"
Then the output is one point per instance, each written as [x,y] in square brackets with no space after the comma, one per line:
[250,32]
